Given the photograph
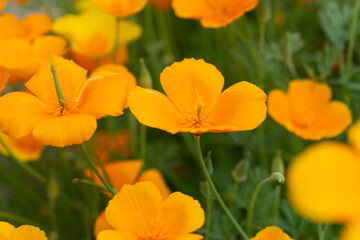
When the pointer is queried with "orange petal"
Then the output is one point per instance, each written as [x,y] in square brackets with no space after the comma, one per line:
[155,176]
[104,95]
[323,183]
[181,214]
[132,206]
[113,234]
[2,4]
[6,230]
[26,232]
[271,233]
[154,109]
[240,107]
[10,26]
[101,224]
[354,135]
[278,108]
[161,4]
[65,130]
[44,45]
[190,237]
[121,9]
[4,78]
[71,78]
[191,85]
[36,25]
[20,112]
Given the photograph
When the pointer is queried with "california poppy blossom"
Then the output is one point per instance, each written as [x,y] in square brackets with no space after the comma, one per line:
[194,102]
[9,232]
[271,233]
[213,13]
[323,183]
[139,212]
[65,122]
[307,111]
[120,8]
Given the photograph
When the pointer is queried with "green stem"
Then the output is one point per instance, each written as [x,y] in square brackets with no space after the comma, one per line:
[252,204]
[17,219]
[93,167]
[322,228]
[277,202]
[213,188]
[208,211]
[103,169]
[59,93]
[90,183]
[350,50]
[116,41]
[142,146]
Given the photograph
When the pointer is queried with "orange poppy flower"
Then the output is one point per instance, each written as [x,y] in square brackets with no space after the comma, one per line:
[66,122]
[9,232]
[271,233]
[194,102]
[138,212]
[2,4]
[120,8]
[323,183]
[213,13]
[4,77]
[30,27]
[161,4]
[307,111]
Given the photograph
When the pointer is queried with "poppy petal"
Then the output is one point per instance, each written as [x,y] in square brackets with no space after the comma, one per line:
[36,25]
[354,135]
[65,130]
[278,108]
[44,45]
[26,232]
[6,230]
[351,232]
[155,176]
[190,236]
[101,224]
[121,9]
[4,78]
[113,234]
[271,233]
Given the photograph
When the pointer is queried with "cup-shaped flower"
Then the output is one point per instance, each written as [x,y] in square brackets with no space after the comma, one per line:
[120,8]
[9,232]
[307,111]
[138,212]
[323,183]
[213,13]
[195,104]
[271,233]
[64,122]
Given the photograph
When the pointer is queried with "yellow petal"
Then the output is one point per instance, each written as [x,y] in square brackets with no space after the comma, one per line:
[128,32]
[181,214]
[104,95]
[6,230]
[121,9]
[26,232]
[240,107]
[20,112]
[351,232]
[323,183]
[113,234]
[44,45]
[154,109]
[66,130]
[190,237]
[192,85]
[271,233]
[101,224]
[354,135]
[36,25]
[132,206]
[155,176]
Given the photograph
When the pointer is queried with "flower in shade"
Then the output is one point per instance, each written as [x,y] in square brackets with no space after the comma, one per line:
[9,232]
[194,102]
[71,120]
[120,8]
[138,212]
[307,110]
[271,233]
[323,183]
[213,13]
[161,4]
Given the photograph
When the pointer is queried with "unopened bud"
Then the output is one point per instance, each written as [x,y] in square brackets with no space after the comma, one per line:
[240,172]
[277,179]
[145,79]
[277,164]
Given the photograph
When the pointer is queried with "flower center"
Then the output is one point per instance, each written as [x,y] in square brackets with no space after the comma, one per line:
[64,110]
[152,230]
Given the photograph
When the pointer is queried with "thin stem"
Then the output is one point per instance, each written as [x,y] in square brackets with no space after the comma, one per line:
[142,146]
[59,93]
[252,204]
[277,202]
[213,188]
[117,40]
[208,211]
[322,228]
[103,169]
[350,50]
[93,167]
[90,183]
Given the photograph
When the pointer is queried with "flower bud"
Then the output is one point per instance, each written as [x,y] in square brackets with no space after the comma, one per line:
[145,79]
[277,179]
[277,164]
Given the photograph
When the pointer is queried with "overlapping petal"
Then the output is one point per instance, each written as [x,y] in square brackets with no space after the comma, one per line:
[271,233]
[121,9]
[354,136]
[6,230]
[113,234]
[26,232]
[155,176]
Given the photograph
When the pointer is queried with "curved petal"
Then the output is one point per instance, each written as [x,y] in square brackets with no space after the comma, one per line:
[155,176]
[2,4]
[65,130]
[10,26]
[20,112]
[4,78]
[36,25]
[104,95]
[113,234]
[44,45]
[323,182]
[133,206]
[121,9]
[271,233]
[278,107]
[26,232]
[353,135]
[191,9]
[6,230]
[240,107]
[192,85]
[128,32]
[181,214]
[101,224]
[154,109]
[190,237]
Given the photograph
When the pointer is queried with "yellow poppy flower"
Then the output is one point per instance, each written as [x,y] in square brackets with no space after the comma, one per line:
[120,8]
[271,233]
[30,27]
[73,121]
[213,13]
[161,4]
[195,104]
[307,111]
[323,183]
[9,232]
[138,212]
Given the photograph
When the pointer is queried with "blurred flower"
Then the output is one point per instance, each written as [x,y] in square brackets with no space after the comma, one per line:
[120,8]
[2,4]
[213,13]
[307,111]
[30,27]
[161,4]
[9,232]
[4,78]
[67,122]
[271,233]
[24,149]
[323,183]
[138,212]
[195,104]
